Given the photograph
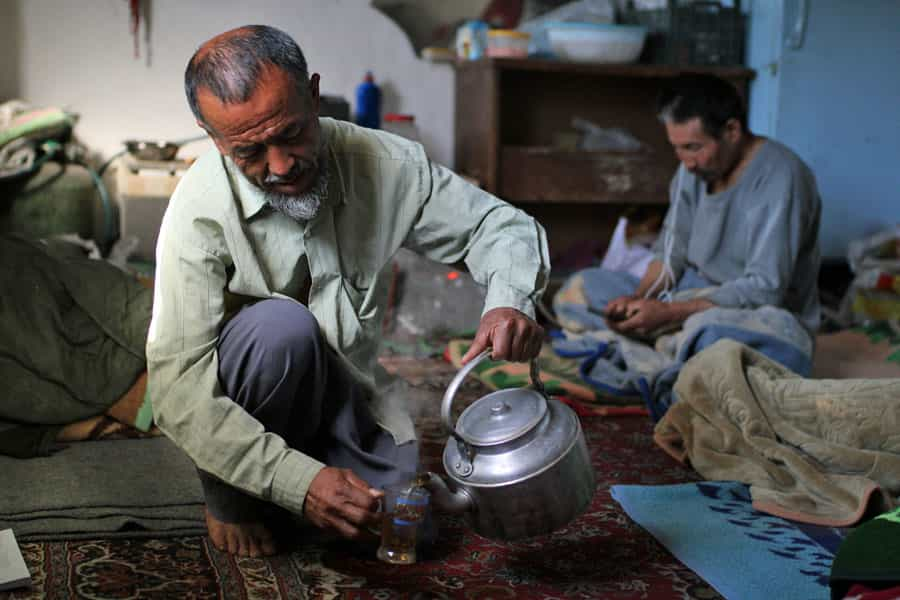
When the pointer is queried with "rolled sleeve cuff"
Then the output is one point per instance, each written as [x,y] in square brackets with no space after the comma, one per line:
[292,480]
[498,297]
[726,297]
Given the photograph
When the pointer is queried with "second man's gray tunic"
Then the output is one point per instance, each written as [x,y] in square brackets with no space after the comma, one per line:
[757,240]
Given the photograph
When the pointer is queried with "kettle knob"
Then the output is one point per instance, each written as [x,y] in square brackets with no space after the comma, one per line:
[499,409]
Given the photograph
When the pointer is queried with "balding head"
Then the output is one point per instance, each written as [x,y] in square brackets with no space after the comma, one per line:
[229,65]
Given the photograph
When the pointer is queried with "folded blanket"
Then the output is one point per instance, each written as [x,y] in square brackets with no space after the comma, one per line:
[103,489]
[819,451]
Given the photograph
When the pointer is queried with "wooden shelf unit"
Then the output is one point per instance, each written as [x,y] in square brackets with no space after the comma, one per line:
[509,111]
[541,174]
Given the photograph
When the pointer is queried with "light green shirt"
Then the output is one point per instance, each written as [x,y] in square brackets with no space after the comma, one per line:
[221,246]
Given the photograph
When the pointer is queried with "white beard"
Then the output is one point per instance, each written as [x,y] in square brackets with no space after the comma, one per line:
[305,206]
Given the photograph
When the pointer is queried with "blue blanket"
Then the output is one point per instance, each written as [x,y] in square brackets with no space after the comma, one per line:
[620,366]
[712,528]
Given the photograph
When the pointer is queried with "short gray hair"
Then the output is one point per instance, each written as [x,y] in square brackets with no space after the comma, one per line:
[229,65]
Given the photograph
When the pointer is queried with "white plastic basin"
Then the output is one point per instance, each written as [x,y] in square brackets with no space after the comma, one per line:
[596,43]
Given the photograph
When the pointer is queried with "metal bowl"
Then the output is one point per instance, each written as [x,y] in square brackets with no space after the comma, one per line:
[151,150]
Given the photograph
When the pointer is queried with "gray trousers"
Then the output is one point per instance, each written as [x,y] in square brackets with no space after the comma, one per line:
[275,364]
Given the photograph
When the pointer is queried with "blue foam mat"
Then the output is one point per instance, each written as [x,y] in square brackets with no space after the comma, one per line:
[744,554]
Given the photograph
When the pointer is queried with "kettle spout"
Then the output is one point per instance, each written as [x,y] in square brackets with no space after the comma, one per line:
[443,499]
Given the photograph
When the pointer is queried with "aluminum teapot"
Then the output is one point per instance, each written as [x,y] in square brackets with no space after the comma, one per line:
[517,461]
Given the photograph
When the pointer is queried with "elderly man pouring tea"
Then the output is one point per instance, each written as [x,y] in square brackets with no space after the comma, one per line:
[272,282]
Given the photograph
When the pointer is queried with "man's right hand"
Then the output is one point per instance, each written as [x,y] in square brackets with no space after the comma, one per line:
[340,501]
[617,310]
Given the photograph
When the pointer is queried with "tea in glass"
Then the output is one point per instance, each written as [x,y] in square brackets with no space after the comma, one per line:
[404,512]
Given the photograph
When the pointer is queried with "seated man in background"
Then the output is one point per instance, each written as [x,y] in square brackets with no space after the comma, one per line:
[273,268]
[741,231]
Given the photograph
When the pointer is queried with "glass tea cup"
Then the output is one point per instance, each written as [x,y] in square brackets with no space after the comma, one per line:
[404,507]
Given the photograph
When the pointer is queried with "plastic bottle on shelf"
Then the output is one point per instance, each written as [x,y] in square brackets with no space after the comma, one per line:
[402,125]
[471,40]
[368,103]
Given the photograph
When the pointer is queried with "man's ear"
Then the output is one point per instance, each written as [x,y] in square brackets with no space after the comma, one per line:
[733,130]
[314,92]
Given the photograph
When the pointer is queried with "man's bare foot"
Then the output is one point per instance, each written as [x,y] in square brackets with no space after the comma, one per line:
[241,539]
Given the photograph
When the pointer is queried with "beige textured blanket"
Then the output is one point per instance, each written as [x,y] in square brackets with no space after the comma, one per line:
[819,451]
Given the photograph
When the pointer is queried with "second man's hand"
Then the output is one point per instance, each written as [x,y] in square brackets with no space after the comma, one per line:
[617,310]
[341,501]
[644,316]
[638,316]
[512,335]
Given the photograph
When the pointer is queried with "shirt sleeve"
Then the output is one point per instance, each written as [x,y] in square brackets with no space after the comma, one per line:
[775,231]
[188,403]
[503,248]
[671,246]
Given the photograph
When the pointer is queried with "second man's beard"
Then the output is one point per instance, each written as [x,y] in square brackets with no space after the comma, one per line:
[305,206]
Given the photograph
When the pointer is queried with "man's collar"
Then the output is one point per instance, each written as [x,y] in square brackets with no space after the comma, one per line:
[337,191]
[251,198]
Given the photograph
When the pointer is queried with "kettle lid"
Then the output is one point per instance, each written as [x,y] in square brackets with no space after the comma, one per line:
[501,416]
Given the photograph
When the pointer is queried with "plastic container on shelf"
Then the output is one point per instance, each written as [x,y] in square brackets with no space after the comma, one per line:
[508,43]
[597,43]
[402,125]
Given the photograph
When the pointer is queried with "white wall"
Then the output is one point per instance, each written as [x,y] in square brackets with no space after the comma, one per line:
[78,54]
[9,49]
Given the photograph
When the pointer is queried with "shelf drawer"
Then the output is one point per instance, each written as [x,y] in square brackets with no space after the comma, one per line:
[546,174]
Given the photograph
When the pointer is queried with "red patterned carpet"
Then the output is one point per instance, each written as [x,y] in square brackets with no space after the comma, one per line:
[603,554]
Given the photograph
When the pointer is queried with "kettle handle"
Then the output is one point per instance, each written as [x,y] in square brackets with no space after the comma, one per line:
[458,379]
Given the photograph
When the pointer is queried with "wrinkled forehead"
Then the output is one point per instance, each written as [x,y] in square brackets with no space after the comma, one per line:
[276,103]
